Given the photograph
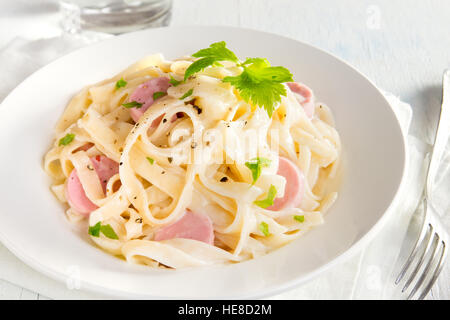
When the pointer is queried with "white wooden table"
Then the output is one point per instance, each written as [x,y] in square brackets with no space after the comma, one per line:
[402,45]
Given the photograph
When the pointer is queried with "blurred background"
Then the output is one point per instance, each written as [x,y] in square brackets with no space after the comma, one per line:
[402,46]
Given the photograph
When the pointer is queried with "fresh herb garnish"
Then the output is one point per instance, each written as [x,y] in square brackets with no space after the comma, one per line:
[264,228]
[174,82]
[107,230]
[150,160]
[260,83]
[255,165]
[95,230]
[68,138]
[158,94]
[133,104]
[187,94]
[268,201]
[300,218]
[121,83]
[210,56]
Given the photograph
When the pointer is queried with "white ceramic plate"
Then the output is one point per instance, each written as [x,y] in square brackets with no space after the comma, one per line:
[33,225]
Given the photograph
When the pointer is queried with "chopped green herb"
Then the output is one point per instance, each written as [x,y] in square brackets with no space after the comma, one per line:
[109,232]
[121,83]
[264,228]
[150,160]
[174,82]
[300,218]
[95,230]
[268,201]
[187,94]
[260,83]
[158,94]
[68,138]
[210,56]
[255,165]
[133,104]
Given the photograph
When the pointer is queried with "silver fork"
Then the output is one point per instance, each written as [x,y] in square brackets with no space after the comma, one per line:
[430,249]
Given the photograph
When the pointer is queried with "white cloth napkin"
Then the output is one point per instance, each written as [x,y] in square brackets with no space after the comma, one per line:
[367,275]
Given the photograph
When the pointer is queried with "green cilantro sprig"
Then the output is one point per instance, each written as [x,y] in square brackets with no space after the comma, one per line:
[150,160]
[210,56]
[255,165]
[68,138]
[107,230]
[268,201]
[259,82]
[299,218]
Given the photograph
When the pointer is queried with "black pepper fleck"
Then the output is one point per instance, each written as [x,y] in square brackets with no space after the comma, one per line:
[224,179]
[170,159]
[164,120]
[120,163]
[199,110]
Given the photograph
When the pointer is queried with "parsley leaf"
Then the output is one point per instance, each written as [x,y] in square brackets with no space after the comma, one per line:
[150,160]
[264,228]
[174,82]
[121,83]
[109,232]
[210,56]
[268,201]
[158,94]
[255,165]
[95,230]
[300,218]
[68,138]
[132,104]
[260,83]
[187,94]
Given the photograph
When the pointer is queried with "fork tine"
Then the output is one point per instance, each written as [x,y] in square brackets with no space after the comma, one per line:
[420,239]
[428,239]
[427,267]
[436,273]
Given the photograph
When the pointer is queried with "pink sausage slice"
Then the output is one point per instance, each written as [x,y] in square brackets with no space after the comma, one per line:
[144,94]
[105,169]
[293,193]
[304,96]
[76,196]
[192,225]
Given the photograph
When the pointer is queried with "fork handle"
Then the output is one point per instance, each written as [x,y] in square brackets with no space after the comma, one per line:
[440,140]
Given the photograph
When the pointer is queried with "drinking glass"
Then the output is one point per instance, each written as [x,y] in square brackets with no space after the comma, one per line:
[114,16]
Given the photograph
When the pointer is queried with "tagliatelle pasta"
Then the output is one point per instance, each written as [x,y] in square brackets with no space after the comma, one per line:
[180,173]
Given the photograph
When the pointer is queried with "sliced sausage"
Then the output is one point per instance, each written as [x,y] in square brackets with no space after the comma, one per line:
[191,225]
[75,194]
[294,190]
[144,94]
[304,96]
